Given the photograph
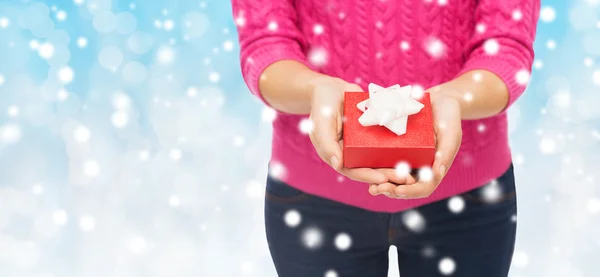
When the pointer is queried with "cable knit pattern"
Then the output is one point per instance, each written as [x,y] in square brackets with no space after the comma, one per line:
[417,42]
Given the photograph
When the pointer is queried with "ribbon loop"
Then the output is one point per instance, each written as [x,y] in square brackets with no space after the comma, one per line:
[389,107]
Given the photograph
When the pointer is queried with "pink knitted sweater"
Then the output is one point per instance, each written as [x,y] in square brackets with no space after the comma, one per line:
[416,42]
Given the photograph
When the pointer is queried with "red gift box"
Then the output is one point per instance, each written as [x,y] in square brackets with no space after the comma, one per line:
[378,147]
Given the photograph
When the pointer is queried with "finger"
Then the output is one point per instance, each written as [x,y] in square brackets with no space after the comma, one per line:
[387,189]
[373,189]
[353,88]
[416,190]
[393,176]
[324,137]
[366,175]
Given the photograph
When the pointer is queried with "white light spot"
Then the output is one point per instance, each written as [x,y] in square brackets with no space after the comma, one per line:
[81,134]
[247,267]
[456,204]
[65,75]
[447,266]
[62,94]
[378,55]
[34,44]
[481,127]
[547,14]
[11,133]
[480,28]
[137,245]
[327,111]
[513,218]
[517,15]
[240,21]
[78,2]
[239,141]
[468,96]
[522,77]
[276,170]
[214,77]
[593,205]
[340,179]
[312,238]
[91,168]
[404,45]
[491,192]
[175,154]
[269,114]
[588,62]
[165,55]
[46,50]
[547,145]
[318,29]
[413,220]
[477,77]
[417,91]
[551,44]
[379,24]
[168,25]
[402,169]
[2,79]
[538,64]
[37,189]
[318,57]
[425,174]
[61,15]
[144,155]
[596,77]
[174,201]
[82,42]
[442,2]
[228,45]
[121,101]
[13,111]
[306,126]
[520,259]
[272,26]
[435,48]
[120,119]
[343,241]
[60,217]
[4,22]
[87,223]
[255,189]
[491,47]
[330,273]
[292,218]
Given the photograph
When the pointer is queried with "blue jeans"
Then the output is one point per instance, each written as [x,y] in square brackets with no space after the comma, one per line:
[312,236]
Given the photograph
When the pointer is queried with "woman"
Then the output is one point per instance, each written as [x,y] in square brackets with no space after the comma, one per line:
[323,219]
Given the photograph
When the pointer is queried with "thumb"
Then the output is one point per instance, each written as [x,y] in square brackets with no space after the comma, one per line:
[324,137]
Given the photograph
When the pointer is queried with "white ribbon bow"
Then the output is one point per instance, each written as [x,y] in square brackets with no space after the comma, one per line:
[389,107]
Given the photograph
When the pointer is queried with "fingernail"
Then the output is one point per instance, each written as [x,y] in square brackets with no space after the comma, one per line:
[335,162]
[443,170]
[386,193]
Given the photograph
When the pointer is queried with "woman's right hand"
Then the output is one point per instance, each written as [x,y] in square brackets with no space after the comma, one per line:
[326,115]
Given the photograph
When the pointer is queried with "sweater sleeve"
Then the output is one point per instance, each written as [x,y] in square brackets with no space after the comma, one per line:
[503,42]
[268,33]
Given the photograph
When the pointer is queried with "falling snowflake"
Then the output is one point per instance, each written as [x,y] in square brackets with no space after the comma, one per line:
[538,64]
[13,111]
[492,192]
[168,25]
[175,154]
[435,48]
[403,169]
[491,47]
[4,22]
[593,205]
[442,2]
[318,29]
[547,14]
[588,61]
[468,96]
[292,218]
[481,127]
[255,189]
[174,201]
[404,45]
[548,145]
[306,126]
[46,50]
[446,266]
[276,170]
[214,77]
[61,15]
[522,77]
[165,55]
[60,217]
[269,114]
[120,119]
[144,155]
[480,28]
[247,267]
[228,45]
[425,174]
[81,134]
[65,75]
[318,57]
[456,204]
[91,168]
[326,111]
[87,223]
[312,238]
[417,91]
[330,273]
[137,245]
[477,77]
[517,15]
[37,189]
[551,44]
[10,133]
[596,77]
[343,241]
[272,26]
[413,220]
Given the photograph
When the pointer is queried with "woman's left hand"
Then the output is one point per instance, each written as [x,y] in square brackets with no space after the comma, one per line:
[448,134]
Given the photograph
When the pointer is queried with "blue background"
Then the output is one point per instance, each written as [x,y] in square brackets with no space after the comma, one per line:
[150,159]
